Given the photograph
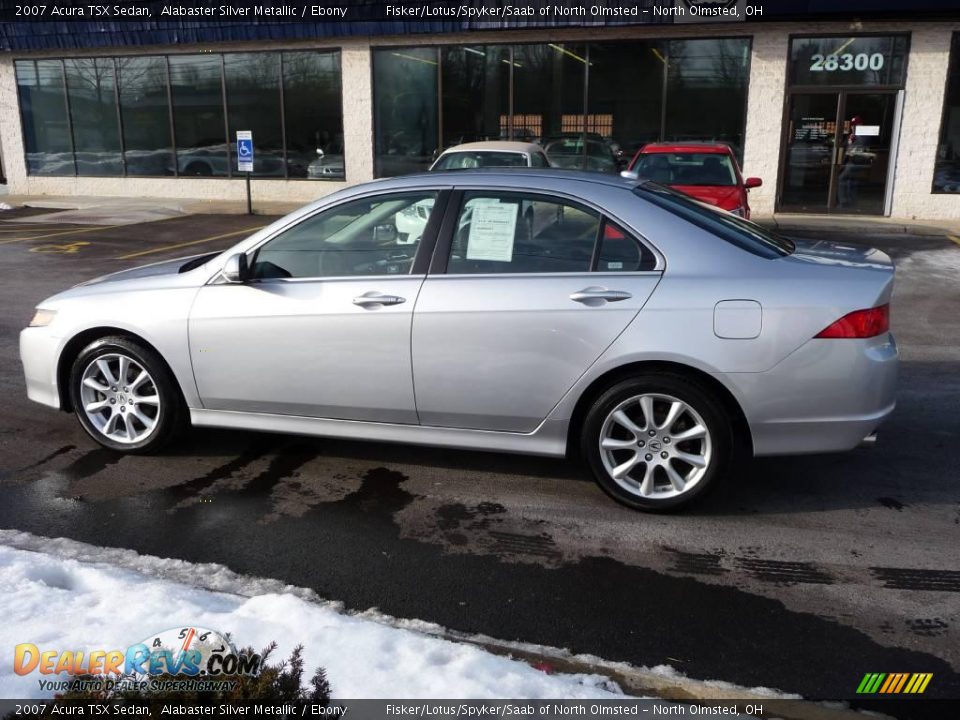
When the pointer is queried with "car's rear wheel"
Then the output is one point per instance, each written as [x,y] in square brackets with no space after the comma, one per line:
[125,396]
[657,441]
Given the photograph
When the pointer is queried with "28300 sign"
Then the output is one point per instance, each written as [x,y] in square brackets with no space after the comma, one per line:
[846,61]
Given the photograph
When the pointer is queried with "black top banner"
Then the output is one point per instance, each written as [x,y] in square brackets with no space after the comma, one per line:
[63,24]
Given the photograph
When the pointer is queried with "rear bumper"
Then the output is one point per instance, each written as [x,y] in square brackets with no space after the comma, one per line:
[825,397]
[38,353]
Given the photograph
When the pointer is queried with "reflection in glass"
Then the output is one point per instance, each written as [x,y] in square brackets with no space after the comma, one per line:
[199,129]
[314,115]
[946,173]
[624,104]
[253,103]
[476,93]
[46,128]
[707,74]
[145,114]
[91,86]
[548,82]
[405,110]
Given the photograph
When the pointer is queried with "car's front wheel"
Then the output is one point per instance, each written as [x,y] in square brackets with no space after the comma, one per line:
[657,441]
[124,395]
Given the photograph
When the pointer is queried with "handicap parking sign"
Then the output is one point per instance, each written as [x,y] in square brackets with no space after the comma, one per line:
[244,151]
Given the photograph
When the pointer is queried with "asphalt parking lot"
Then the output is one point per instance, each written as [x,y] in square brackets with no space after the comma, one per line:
[802,574]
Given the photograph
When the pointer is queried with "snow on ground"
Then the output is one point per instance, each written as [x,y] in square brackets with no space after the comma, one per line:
[74,597]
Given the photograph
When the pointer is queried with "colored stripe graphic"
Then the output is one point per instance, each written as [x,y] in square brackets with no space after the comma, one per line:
[894,683]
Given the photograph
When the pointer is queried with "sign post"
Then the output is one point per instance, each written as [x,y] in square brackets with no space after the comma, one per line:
[245,160]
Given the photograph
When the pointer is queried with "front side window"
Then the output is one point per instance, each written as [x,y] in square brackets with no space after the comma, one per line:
[371,236]
[521,233]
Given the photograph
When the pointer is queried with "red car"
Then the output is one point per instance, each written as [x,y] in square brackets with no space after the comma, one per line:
[706,171]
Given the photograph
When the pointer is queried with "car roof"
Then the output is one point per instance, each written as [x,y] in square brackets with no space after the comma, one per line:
[496,146]
[535,178]
[691,147]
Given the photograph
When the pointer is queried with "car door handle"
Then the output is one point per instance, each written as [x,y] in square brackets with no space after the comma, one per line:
[374,298]
[595,293]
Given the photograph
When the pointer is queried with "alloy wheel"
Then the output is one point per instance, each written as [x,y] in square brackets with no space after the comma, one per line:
[120,398]
[655,446]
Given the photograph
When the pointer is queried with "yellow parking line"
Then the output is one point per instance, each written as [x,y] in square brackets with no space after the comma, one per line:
[58,234]
[187,244]
[954,238]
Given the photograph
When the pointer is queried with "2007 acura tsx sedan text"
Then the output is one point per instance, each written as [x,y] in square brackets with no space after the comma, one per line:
[536,311]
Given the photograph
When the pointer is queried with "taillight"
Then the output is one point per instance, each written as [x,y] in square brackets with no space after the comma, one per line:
[860,324]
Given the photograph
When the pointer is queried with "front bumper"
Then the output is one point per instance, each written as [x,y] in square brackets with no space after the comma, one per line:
[39,351]
[827,396]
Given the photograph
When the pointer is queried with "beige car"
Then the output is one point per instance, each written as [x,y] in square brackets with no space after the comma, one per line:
[492,153]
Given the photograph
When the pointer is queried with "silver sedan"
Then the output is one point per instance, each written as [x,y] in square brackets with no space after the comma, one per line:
[658,340]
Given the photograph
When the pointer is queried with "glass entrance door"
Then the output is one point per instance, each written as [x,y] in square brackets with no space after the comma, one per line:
[837,152]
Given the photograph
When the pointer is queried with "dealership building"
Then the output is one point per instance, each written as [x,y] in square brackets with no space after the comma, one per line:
[837,111]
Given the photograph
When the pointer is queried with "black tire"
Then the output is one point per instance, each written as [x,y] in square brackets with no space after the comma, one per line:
[169,416]
[701,401]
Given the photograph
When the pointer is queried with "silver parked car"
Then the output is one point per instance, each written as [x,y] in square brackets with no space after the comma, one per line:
[651,335]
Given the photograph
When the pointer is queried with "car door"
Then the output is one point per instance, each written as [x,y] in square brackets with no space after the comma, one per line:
[321,325]
[506,322]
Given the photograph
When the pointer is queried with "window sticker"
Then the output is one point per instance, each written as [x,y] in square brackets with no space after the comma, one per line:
[492,228]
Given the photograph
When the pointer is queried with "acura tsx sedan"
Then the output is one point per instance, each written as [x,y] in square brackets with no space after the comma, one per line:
[654,337]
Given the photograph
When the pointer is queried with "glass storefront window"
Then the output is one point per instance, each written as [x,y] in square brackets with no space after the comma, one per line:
[46,125]
[946,172]
[590,106]
[113,116]
[253,103]
[548,93]
[199,129]
[476,93]
[145,114]
[625,98]
[405,109]
[91,86]
[313,113]
[848,60]
[707,74]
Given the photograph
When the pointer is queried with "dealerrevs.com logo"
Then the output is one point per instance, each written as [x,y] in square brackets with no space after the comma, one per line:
[181,659]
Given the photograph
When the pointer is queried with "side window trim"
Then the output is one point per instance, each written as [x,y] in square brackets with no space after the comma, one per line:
[425,250]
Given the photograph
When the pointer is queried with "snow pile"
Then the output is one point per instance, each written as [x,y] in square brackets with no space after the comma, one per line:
[62,604]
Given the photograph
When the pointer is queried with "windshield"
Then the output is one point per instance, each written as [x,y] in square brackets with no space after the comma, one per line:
[687,168]
[466,160]
[727,226]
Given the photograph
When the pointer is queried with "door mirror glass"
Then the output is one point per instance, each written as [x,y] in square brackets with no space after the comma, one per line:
[235,269]
[385,234]
[752,182]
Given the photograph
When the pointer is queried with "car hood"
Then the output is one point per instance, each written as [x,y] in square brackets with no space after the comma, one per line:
[165,267]
[723,196]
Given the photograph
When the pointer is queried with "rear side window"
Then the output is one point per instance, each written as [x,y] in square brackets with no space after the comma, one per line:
[538,160]
[520,233]
[726,226]
[618,252]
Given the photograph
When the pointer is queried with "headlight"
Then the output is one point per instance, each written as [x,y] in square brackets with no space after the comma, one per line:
[42,318]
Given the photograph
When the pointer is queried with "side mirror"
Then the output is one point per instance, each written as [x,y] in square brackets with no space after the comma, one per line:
[752,182]
[235,269]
